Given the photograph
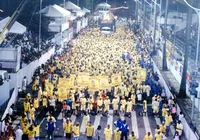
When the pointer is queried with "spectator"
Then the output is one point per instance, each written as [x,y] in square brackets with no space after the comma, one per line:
[18,133]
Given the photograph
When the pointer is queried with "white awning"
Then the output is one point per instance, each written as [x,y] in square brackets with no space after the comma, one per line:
[55,11]
[17,28]
[86,10]
[104,5]
[71,6]
[80,13]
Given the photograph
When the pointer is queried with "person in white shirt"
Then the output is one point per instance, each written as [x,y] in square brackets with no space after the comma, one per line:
[24,83]
[10,110]
[3,125]
[180,116]
[18,133]
[148,89]
[52,104]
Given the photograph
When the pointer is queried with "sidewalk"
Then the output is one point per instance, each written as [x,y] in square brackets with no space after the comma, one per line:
[184,104]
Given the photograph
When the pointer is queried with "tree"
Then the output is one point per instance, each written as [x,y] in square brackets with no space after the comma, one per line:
[182,91]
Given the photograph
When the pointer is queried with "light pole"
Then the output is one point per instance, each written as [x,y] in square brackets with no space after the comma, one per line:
[197,52]
[144,11]
[136,13]
[150,6]
[77,2]
[64,4]
[198,13]
[155,21]
[164,60]
[40,22]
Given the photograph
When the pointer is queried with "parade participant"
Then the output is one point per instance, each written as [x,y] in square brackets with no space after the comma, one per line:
[163,128]
[145,107]
[76,131]
[32,113]
[68,129]
[115,103]
[98,133]
[179,128]
[64,109]
[83,101]
[157,129]
[129,107]
[117,134]
[31,133]
[168,120]
[99,105]
[50,116]
[90,104]
[118,123]
[89,131]
[123,104]
[86,119]
[44,102]
[25,130]
[158,136]
[155,106]
[36,103]
[132,136]
[125,129]
[27,108]
[108,133]
[148,136]
[106,103]
[37,131]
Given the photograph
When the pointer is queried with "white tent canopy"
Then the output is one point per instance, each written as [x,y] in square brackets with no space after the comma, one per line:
[104,5]
[17,28]
[71,6]
[80,13]
[55,11]
[86,10]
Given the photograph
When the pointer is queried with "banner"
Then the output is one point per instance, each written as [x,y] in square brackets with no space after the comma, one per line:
[141,74]
[94,83]
[83,80]
[104,82]
[62,93]
[116,79]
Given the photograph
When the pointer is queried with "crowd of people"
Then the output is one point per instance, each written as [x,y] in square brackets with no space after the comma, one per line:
[29,46]
[99,55]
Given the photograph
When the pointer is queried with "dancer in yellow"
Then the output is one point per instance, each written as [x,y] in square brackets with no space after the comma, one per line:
[115,104]
[108,133]
[106,105]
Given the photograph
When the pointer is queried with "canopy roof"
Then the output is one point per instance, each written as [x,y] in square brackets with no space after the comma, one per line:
[86,10]
[17,28]
[71,6]
[55,11]
[80,13]
[104,5]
